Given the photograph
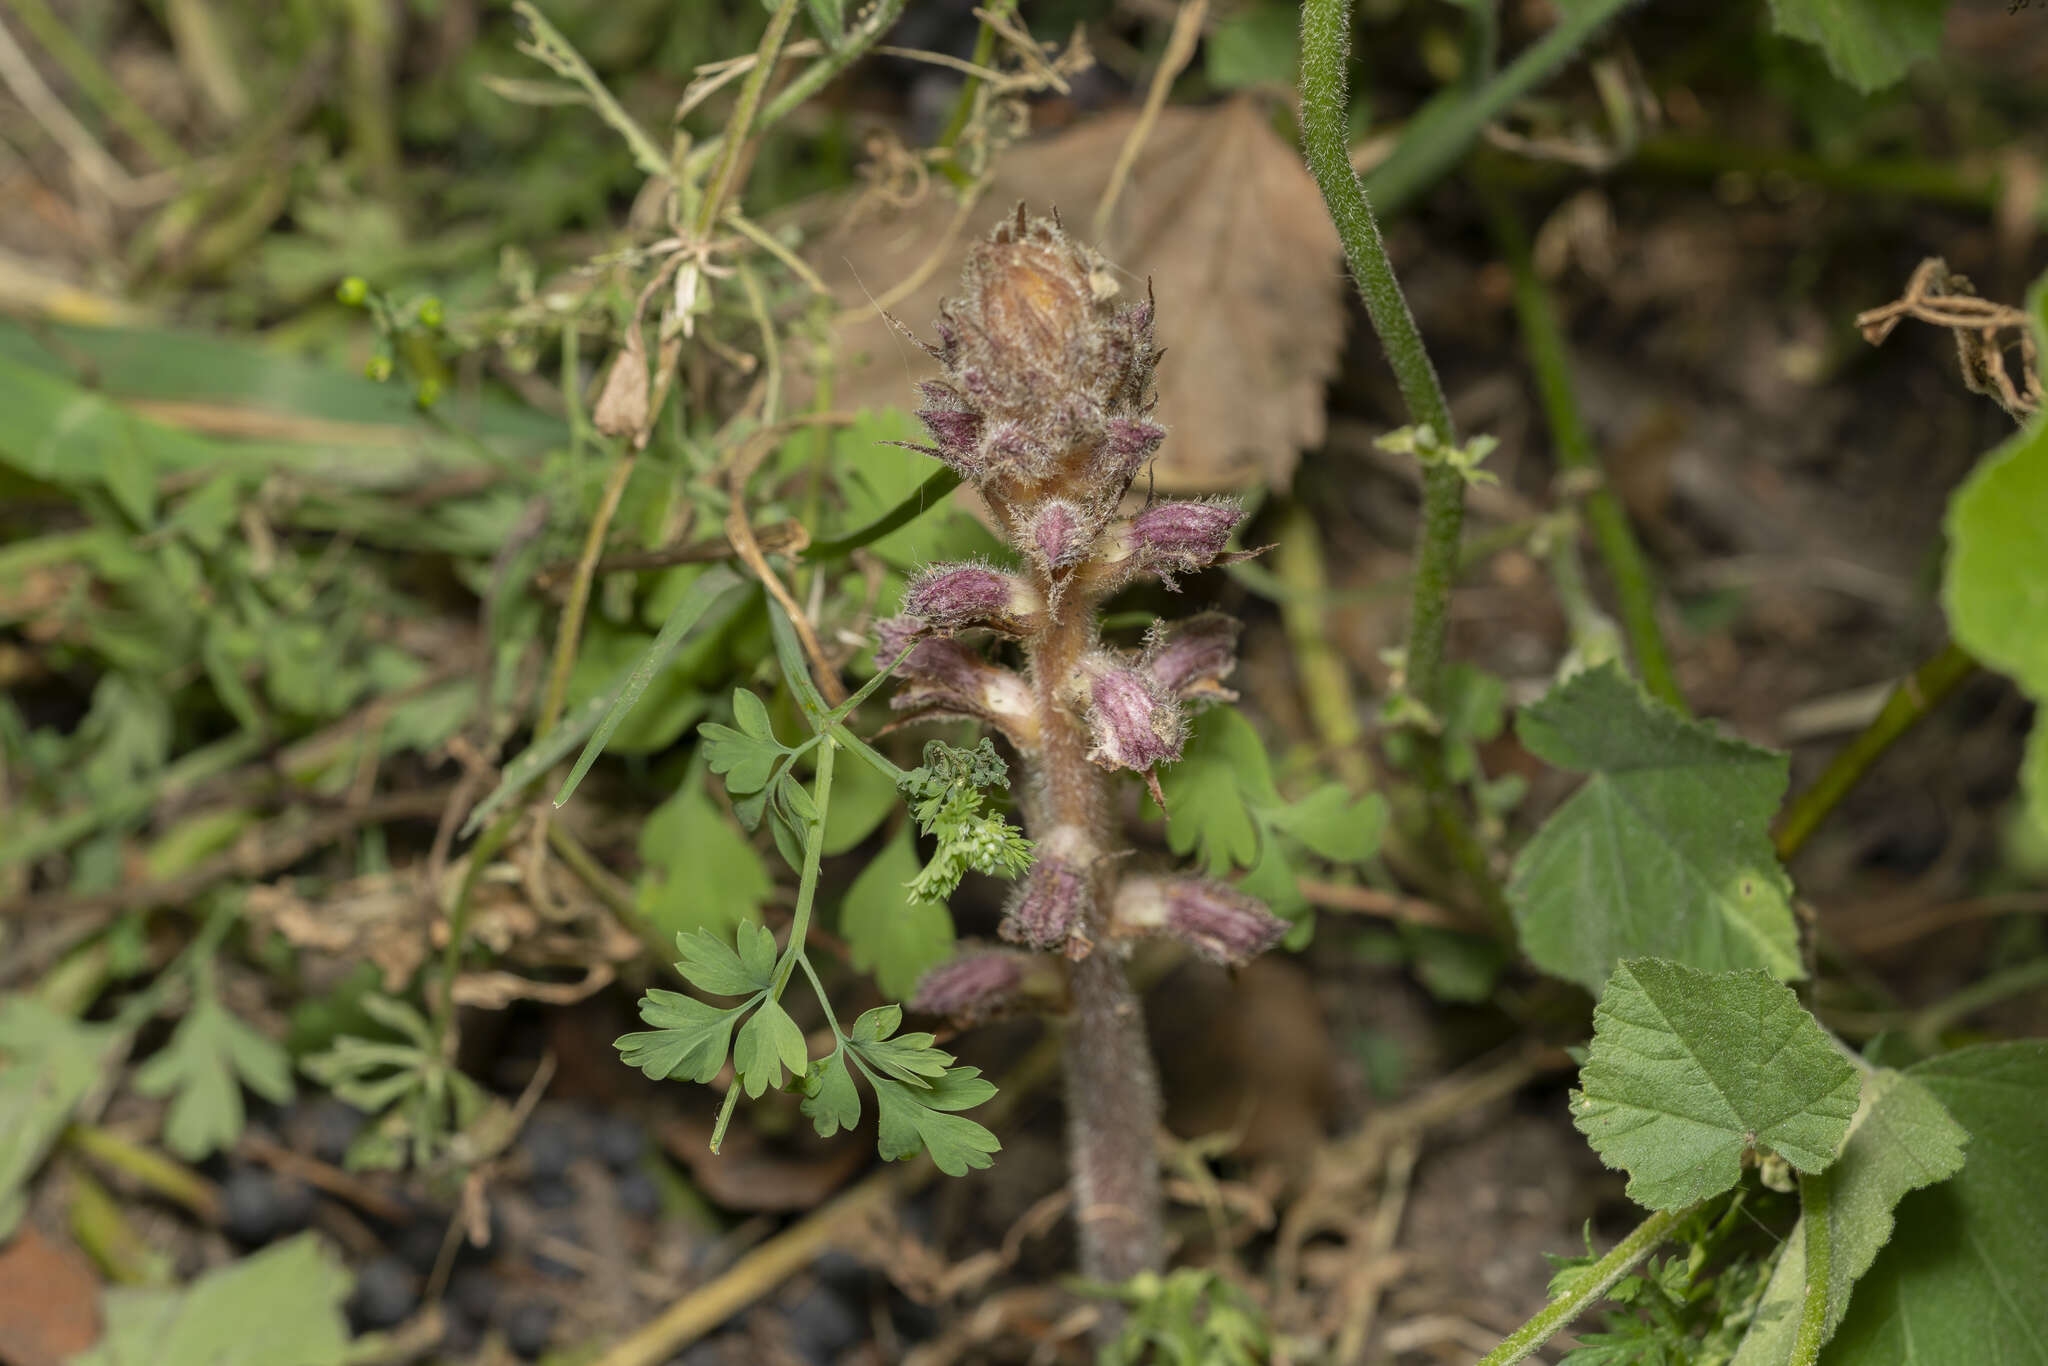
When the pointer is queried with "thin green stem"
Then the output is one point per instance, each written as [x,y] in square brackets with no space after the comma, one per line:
[1816,1193]
[545,44]
[963,103]
[813,78]
[807,885]
[741,125]
[1451,123]
[93,80]
[1915,696]
[481,853]
[570,633]
[1550,359]
[1588,1288]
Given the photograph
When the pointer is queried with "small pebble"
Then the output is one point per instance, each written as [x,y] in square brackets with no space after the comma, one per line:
[553,1193]
[823,1325]
[528,1326]
[620,1142]
[474,1292]
[250,1205]
[550,1146]
[386,1291]
[639,1194]
[330,1127]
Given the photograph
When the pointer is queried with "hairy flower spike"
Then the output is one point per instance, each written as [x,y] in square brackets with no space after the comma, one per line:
[1048,387]
[1212,918]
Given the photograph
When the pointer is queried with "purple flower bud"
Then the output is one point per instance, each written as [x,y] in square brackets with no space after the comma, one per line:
[1135,724]
[1183,536]
[1128,442]
[1212,918]
[946,678]
[972,986]
[1050,910]
[1059,535]
[957,432]
[1192,658]
[959,597]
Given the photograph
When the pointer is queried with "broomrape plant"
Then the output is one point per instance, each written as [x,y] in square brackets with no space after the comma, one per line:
[1047,409]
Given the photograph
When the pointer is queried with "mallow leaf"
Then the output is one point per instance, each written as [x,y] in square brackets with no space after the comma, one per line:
[278,1307]
[1689,1070]
[1996,585]
[1868,43]
[1960,1281]
[1900,1140]
[1663,852]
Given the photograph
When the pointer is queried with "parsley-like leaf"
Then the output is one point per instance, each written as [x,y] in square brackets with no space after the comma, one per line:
[746,757]
[768,1042]
[909,1124]
[708,965]
[830,1099]
[689,1039]
[203,1069]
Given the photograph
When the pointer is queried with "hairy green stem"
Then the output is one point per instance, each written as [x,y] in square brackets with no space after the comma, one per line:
[1816,1193]
[1590,1286]
[1550,358]
[1915,696]
[1325,45]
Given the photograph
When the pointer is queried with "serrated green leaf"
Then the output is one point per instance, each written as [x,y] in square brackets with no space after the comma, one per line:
[830,1099]
[689,1040]
[1995,589]
[908,1126]
[889,933]
[203,1068]
[1868,43]
[1334,825]
[1688,1070]
[1663,852]
[708,964]
[683,841]
[278,1307]
[768,1043]
[1900,1140]
[1960,1281]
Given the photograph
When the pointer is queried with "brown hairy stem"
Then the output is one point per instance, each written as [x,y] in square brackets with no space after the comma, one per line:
[1112,1087]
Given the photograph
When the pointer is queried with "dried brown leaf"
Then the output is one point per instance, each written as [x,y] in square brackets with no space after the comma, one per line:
[1219,214]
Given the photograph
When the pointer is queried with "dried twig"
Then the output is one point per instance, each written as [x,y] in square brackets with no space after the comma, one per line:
[1936,295]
